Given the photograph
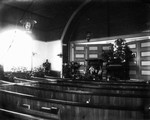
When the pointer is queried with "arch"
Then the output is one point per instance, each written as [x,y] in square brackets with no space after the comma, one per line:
[66,29]
[72,18]
[64,36]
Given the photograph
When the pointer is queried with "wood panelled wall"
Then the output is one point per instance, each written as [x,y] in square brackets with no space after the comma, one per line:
[139,67]
[144,65]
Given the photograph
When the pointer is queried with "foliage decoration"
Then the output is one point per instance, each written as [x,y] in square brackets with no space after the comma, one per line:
[120,52]
[71,69]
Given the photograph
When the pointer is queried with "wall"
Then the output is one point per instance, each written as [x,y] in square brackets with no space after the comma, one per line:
[106,19]
[47,50]
[53,49]
[39,53]
[28,56]
[19,49]
[140,46]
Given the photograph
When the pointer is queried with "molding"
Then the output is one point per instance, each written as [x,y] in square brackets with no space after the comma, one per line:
[110,40]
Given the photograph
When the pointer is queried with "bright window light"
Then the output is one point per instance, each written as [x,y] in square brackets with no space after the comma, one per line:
[15,49]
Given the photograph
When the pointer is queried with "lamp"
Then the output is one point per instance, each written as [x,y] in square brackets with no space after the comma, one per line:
[28,24]
[60,55]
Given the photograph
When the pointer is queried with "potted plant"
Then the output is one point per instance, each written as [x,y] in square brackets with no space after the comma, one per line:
[118,59]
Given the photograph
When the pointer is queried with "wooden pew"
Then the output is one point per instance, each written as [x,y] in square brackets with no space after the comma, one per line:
[132,98]
[72,86]
[13,115]
[47,79]
[78,82]
[53,83]
[96,94]
[25,104]
[82,96]
[127,94]
[73,110]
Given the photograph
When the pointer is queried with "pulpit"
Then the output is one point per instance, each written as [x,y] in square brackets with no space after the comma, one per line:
[117,70]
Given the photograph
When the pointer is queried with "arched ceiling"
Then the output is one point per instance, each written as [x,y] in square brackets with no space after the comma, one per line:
[51,15]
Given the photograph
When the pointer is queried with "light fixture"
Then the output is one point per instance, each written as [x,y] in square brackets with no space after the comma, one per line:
[60,55]
[28,24]
[27,21]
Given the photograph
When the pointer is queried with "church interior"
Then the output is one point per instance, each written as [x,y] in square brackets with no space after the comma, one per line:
[74,60]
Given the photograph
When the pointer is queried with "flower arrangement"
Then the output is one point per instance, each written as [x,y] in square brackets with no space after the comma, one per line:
[37,72]
[119,55]
[22,72]
[19,69]
[120,52]
[70,69]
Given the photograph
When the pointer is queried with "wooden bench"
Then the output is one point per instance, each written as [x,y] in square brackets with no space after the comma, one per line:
[53,83]
[82,95]
[27,104]
[6,114]
[132,98]
[72,110]
[118,95]
[111,95]
[40,79]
